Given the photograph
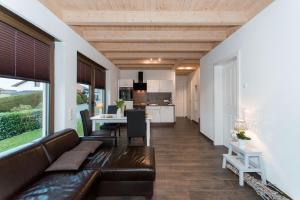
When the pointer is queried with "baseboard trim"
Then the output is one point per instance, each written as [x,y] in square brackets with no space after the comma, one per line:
[195,121]
[161,124]
[207,138]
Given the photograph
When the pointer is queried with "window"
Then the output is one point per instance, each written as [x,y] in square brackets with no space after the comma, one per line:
[26,76]
[99,90]
[23,112]
[84,80]
[99,101]
[90,89]
[83,103]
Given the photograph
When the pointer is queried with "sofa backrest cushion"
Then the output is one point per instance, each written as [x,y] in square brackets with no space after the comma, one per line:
[20,167]
[60,142]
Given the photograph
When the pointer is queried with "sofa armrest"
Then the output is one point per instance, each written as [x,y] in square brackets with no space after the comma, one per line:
[107,140]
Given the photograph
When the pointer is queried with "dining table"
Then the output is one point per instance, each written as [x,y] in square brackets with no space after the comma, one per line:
[114,118]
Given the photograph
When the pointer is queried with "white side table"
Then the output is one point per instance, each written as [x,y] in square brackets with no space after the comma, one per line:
[243,161]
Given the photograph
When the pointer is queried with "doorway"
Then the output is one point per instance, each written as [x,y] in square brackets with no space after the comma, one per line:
[225,99]
[181,84]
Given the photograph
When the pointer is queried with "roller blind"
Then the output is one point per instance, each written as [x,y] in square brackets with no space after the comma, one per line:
[99,78]
[22,56]
[84,72]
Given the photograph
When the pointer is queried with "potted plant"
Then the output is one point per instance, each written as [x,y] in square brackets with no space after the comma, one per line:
[240,128]
[120,105]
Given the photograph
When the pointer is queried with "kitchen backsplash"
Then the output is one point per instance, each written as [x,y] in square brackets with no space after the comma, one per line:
[160,98]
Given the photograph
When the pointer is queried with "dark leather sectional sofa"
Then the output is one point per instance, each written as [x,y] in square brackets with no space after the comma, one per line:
[110,171]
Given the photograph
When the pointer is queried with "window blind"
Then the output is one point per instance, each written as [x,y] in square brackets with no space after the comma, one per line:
[84,72]
[22,56]
[99,78]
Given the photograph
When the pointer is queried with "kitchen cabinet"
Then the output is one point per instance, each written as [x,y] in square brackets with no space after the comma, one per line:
[161,114]
[159,86]
[125,83]
[152,85]
[154,112]
[167,114]
[165,86]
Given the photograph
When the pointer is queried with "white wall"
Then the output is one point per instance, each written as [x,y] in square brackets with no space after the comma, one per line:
[269,88]
[151,75]
[65,58]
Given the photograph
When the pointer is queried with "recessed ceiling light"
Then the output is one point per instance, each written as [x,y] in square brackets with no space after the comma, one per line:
[152,61]
[185,68]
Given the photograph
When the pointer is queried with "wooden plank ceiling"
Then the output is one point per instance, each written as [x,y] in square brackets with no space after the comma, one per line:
[160,34]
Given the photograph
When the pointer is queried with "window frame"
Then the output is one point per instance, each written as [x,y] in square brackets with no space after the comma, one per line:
[21,24]
[93,65]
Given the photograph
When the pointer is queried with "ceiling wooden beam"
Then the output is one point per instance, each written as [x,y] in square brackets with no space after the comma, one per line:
[154,36]
[154,55]
[143,61]
[149,47]
[140,62]
[146,66]
[183,73]
[129,18]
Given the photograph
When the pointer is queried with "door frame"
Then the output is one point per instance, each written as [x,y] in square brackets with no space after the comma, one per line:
[218,96]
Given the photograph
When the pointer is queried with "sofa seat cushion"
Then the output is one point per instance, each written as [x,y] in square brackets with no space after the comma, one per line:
[98,159]
[133,164]
[60,185]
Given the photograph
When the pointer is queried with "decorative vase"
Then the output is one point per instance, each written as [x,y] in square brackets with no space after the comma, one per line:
[242,143]
[119,113]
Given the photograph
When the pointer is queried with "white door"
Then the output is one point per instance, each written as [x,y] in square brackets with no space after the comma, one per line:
[180,99]
[195,106]
[229,92]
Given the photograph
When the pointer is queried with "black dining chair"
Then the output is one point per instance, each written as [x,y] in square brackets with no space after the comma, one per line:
[88,130]
[136,124]
[112,109]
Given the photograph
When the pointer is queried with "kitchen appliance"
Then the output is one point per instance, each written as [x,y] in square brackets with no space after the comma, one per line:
[140,85]
[126,93]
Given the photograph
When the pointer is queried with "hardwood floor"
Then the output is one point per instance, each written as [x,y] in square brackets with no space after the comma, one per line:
[188,166]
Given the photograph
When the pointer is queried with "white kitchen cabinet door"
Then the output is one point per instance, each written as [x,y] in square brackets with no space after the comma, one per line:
[167,114]
[165,86]
[154,113]
[152,85]
[125,83]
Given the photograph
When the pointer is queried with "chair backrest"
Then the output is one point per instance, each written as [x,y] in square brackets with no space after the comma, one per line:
[112,109]
[86,122]
[136,123]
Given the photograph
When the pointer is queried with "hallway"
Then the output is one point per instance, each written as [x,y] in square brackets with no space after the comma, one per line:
[189,166]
